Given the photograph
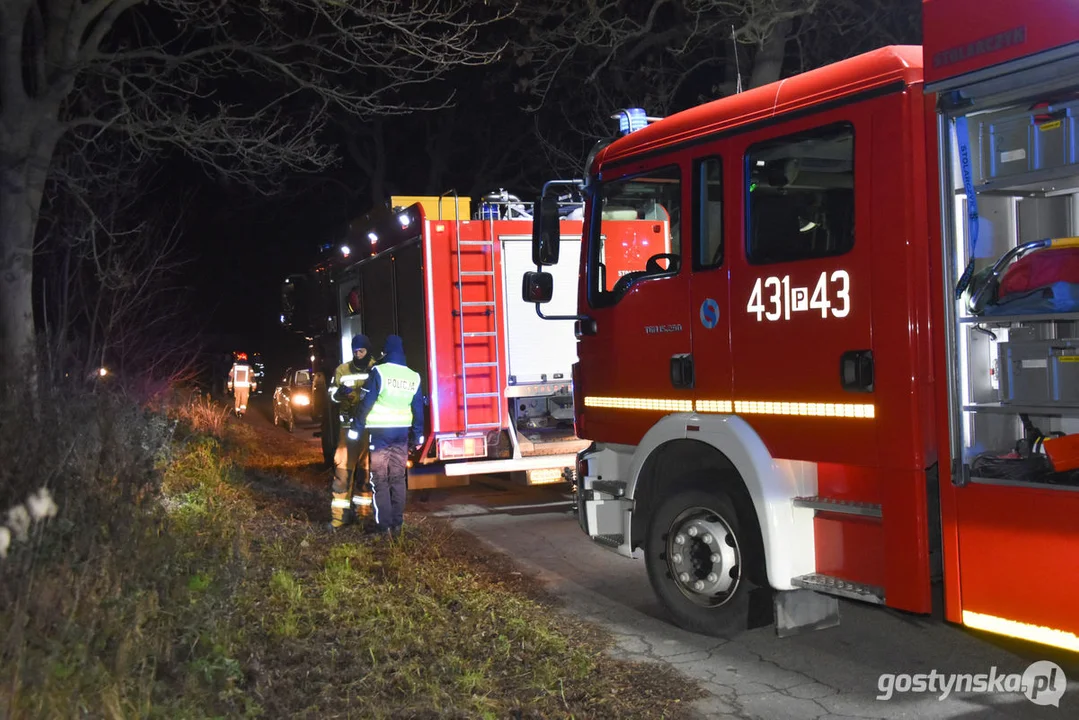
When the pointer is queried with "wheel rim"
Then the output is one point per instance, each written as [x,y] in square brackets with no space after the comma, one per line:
[703,557]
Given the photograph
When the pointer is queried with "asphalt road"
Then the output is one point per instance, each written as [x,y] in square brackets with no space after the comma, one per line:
[827,674]
[824,675]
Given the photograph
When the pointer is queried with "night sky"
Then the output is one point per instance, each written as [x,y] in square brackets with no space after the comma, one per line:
[242,245]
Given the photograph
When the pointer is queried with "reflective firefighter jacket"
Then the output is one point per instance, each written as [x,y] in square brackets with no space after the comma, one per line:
[240,376]
[348,375]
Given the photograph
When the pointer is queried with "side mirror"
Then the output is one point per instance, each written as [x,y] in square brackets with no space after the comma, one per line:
[538,287]
[546,231]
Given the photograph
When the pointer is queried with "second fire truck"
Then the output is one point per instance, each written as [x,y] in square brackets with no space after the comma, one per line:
[855,372]
[495,377]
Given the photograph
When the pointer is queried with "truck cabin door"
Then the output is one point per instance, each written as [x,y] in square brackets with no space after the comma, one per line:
[801,335]
[710,307]
[637,292]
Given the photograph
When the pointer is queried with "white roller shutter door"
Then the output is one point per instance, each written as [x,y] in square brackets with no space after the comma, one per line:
[540,347]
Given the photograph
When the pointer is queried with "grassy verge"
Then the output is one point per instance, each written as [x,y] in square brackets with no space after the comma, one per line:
[209,601]
[407,630]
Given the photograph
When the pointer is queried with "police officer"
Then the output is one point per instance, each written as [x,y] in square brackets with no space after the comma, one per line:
[390,409]
[345,392]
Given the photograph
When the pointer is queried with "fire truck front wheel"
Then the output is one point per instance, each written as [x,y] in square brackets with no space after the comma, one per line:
[697,556]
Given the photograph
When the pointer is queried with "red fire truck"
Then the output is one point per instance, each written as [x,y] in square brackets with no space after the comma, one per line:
[855,373]
[496,377]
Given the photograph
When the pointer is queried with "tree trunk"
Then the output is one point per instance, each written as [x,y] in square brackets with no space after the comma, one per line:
[26,148]
[768,62]
[16,278]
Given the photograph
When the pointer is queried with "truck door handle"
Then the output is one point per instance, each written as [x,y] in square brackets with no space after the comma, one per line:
[682,370]
[584,327]
[856,371]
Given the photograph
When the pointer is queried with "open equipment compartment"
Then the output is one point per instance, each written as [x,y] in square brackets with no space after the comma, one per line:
[1014,340]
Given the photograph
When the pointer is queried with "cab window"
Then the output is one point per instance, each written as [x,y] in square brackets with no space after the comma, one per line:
[800,199]
[708,214]
[635,232]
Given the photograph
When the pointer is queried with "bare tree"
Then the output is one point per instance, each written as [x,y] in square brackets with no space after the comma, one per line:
[108,256]
[580,61]
[167,73]
[589,40]
[366,146]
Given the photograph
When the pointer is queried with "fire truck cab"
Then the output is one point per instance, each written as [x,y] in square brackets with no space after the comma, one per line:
[803,392]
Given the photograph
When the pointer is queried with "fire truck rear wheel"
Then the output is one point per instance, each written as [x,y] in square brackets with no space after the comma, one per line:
[698,559]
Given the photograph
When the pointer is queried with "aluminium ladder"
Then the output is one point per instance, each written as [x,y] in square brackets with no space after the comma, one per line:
[490,309]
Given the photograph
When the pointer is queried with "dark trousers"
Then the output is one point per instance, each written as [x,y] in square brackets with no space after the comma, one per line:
[389,452]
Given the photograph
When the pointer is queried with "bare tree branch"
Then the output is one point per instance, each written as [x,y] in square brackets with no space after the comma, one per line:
[243,88]
[596,56]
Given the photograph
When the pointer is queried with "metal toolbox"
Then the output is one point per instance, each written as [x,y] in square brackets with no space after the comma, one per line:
[1005,144]
[1054,139]
[1039,372]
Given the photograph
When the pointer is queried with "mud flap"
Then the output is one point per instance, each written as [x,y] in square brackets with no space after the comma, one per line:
[761,608]
[800,611]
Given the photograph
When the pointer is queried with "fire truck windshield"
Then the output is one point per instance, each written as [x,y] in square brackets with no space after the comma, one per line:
[634,233]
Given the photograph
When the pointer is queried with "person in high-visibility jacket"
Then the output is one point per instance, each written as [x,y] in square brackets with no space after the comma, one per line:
[345,393]
[241,383]
[390,410]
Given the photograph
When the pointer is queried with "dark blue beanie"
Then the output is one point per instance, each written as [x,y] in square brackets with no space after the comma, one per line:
[360,341]
[394,345]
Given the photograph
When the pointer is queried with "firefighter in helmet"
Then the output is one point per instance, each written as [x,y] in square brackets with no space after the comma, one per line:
[345,393]
[241,383]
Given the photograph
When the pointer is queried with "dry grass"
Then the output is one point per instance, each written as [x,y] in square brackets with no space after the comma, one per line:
[221,598]
[203,415]
[100,614]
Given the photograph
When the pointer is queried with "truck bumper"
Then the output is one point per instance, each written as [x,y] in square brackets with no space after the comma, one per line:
[566,463]
[603,511]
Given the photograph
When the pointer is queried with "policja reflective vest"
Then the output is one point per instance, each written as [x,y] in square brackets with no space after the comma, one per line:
[393,408]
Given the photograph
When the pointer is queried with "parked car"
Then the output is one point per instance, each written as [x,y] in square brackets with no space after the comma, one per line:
[292,399]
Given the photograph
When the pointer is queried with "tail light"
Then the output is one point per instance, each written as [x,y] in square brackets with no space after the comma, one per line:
[460,448]
[582,469]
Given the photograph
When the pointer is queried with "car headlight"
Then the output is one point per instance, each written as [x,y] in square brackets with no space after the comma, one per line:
[301,400]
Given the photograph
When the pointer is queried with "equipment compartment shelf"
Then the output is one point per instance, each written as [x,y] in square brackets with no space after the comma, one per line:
[1009,319]
[1017,409]
[1037,183]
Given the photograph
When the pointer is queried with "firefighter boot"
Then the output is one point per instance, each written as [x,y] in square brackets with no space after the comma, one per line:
[361,506]
[341,513]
